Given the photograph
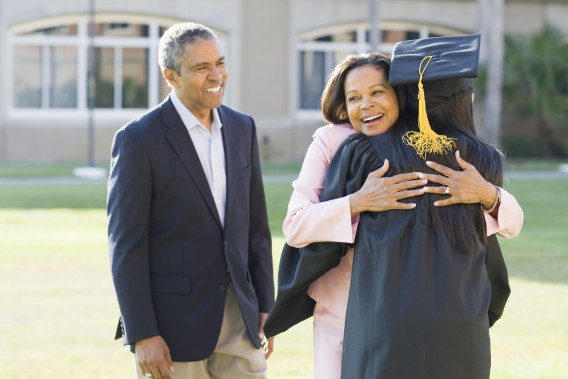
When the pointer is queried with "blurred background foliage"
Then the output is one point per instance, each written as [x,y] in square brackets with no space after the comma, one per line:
[535,95]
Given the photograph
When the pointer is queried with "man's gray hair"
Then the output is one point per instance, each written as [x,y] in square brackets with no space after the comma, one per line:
[171,49]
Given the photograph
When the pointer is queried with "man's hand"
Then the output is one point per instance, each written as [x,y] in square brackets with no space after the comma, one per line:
[153,357]
[267,344]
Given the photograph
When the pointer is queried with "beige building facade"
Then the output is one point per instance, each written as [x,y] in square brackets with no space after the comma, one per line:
[278,53]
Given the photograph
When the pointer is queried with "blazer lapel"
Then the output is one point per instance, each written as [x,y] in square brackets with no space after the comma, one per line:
[228,131]
[178,137]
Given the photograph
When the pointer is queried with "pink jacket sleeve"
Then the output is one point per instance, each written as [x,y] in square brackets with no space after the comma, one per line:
[509,219]
[307,219]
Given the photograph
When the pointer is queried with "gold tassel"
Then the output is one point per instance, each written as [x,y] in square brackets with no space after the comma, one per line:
[426,140]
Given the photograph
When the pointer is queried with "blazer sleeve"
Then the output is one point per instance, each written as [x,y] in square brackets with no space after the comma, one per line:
[260,249]
[309,220]
[509,219]
[128,211]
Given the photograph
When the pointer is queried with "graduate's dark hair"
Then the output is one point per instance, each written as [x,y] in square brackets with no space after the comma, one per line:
[454,120]
[333,104]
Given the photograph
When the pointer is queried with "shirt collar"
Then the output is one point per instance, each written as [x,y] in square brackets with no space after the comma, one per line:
[189,119]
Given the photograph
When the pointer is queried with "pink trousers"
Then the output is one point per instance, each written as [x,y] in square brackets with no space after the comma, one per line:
[328,343]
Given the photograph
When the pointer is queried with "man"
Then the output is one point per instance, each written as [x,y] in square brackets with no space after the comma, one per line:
[189,243]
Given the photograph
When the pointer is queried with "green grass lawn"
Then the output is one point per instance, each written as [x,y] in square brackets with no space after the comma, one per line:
[58,311]
[271,168]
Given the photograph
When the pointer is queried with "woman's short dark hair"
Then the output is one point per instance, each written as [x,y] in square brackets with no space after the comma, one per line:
[333,105]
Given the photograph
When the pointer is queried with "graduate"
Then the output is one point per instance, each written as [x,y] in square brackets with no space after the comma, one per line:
[420,291]
[393,284]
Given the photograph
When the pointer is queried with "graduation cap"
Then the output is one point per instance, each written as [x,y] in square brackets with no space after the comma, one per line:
[435,71]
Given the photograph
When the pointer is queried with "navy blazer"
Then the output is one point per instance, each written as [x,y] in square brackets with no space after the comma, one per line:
[170,255]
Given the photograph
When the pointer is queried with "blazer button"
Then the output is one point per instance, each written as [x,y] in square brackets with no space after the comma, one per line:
[221,287]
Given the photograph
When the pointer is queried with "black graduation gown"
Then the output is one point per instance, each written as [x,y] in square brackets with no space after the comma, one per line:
[300,267]
[418,307]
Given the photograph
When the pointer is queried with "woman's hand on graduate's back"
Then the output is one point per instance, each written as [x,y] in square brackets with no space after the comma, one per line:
[464,187]
[381,194]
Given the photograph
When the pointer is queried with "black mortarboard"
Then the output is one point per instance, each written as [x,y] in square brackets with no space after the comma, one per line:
[452,57]
[435,71]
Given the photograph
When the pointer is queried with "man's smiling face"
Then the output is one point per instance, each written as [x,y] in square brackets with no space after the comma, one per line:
[200,85]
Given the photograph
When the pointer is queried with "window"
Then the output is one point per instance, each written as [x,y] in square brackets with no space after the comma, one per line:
[320,50]
[134,78]
[315,66]
[50,66]
[104,77]
[62,77]
[27,76]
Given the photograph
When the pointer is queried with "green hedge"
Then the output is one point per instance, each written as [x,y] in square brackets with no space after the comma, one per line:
[522,147]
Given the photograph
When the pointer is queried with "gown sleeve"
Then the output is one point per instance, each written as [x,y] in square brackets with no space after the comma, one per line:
[347,173]
[299,267]
[498,278]
[507,224]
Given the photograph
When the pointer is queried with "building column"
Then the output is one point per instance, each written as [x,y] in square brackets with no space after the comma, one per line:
[494,59]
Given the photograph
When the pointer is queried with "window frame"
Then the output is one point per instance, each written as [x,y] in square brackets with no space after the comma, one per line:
[360,45]
[81,41]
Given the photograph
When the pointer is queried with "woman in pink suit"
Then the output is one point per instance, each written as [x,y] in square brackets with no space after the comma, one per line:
[309,221]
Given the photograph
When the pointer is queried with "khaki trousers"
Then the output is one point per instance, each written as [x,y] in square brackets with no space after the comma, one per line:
[234,357]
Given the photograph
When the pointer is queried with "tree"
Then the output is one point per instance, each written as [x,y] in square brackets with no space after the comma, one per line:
[536,80]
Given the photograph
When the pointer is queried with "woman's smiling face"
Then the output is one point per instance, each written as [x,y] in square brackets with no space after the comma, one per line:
[372,106]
